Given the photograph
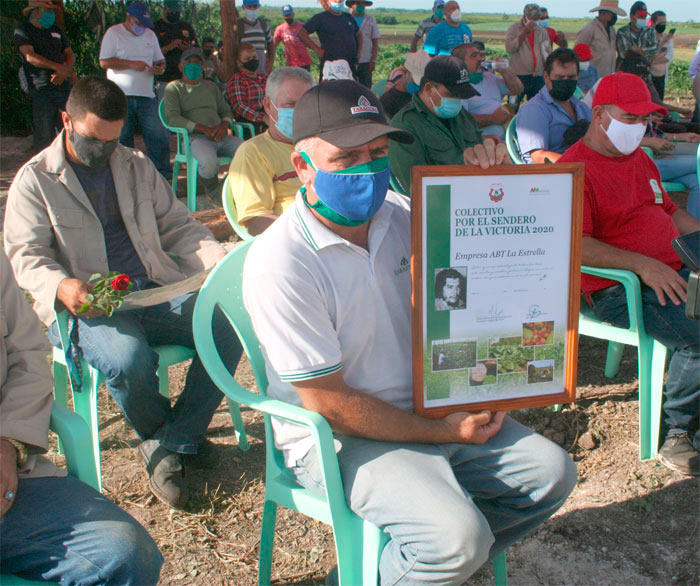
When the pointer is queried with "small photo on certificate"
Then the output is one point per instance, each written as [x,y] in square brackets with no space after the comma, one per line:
[540,371]
[458,354]
[450,288]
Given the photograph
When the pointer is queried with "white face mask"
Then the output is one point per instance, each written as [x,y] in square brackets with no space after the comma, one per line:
[456,16]
[251,15]
[584,65]
[626,138]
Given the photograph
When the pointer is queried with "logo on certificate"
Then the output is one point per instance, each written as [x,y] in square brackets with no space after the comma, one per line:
[496,192]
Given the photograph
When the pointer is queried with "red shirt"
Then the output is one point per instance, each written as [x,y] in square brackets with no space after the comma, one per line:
[619,208]
[295,52]
[245,94]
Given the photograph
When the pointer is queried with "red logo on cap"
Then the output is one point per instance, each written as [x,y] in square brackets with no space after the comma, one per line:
[364,106]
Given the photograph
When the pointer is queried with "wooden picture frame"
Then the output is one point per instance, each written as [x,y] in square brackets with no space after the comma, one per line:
[489,330]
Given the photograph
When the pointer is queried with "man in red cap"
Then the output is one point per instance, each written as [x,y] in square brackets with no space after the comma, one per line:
[588,74]
[629,223]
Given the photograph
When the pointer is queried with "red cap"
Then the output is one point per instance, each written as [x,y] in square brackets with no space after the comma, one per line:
[642,13]
[626,91]
[583,51]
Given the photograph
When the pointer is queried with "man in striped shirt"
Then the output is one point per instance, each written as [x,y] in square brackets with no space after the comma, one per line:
[255,30]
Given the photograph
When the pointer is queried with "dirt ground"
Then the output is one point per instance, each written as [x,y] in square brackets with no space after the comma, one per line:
[627,522]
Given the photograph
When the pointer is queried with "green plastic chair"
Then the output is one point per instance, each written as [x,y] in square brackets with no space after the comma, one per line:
[651,355]
[75,438]
[579,94]
[512,143]
[667,185]
[184,155]
[358,543]
[230,209]
[85,399]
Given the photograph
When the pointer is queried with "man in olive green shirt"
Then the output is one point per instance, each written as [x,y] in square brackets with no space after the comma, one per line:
[444,133]
[199,106]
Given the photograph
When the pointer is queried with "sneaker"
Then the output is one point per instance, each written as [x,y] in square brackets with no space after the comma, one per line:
[678,454]
[166,474]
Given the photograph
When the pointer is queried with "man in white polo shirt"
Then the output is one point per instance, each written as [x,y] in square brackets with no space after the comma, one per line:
[132,57]
[328,289]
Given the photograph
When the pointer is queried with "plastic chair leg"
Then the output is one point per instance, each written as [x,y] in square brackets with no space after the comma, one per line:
[60,390]
[163,381]
[500,570]
[238,427]
[644,357]
[658,368]
[192,185]
[267,542]
[612,362]
[85,405]
[176,170]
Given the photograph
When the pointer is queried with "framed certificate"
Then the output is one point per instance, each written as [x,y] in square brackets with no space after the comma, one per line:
[496,286]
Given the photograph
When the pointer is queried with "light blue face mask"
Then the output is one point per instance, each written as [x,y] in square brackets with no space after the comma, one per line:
[543,23]
[47,19]
[352,196]
[412,87]
[337,6]
[137,29]
[448,108]
[285,116]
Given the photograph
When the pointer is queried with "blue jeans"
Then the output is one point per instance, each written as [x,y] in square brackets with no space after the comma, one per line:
[47,105]
[60,529]
[120,348]
[207,153]
[420,495]
[144,113]
[682,169]
[669,325]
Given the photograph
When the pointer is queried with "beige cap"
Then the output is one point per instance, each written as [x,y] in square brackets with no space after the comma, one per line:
[415,63]
[611,5]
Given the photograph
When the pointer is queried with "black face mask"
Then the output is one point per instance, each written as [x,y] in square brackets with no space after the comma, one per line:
[173,17]
[207,52]
[289,20]
[563,89]
[613,20]
[251,65]
[92,152]
[660,28]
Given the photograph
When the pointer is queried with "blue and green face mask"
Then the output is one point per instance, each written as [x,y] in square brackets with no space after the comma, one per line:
[439,14]
[352,196]
[192,71]
[47,19]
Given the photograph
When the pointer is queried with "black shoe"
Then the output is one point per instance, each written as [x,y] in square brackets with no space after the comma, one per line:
[207,456]
[166,474]
[678,454]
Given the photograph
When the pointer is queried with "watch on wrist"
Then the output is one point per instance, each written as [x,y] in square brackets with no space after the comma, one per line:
[22,451]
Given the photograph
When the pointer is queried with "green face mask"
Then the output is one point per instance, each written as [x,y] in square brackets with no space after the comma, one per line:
[360,10]
[476,77]
[439,14]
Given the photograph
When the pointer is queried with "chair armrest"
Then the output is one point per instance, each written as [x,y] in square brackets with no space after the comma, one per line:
[75,436]
[633,291]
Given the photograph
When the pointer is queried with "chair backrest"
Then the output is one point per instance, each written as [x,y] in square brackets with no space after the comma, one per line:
[229,206]
[512,143]
[183,136]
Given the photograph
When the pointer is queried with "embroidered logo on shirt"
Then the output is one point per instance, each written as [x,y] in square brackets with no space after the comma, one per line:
[404,265]
[56,35]
[364,106]
[658,194]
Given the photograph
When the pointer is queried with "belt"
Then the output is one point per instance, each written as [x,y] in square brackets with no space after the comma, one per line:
[596,296]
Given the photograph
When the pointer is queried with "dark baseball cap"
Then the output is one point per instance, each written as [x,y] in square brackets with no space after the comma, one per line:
[344,113]
[140,12]
[452,73]
[192,52]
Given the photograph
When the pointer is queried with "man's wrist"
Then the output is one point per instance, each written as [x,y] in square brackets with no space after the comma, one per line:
[20,449]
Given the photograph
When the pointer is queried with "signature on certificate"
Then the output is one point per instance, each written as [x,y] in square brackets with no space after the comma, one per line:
[495,310]
[533,312]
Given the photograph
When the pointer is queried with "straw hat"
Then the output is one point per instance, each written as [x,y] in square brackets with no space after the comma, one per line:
[611,5]
[32,4]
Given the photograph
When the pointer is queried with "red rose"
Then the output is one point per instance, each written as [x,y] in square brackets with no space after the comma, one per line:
[121,282]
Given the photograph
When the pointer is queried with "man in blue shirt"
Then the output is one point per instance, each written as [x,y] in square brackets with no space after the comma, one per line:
[448,34]
[543,120]
[338,32]
[427,25]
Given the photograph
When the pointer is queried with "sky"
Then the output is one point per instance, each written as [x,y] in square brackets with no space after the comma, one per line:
[678,10]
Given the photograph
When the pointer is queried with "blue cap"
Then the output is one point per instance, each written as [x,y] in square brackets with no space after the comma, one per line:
[438,4]
[251,2]
[287,10]
[140,12]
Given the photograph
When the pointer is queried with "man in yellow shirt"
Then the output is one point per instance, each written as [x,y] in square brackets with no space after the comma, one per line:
[262,180]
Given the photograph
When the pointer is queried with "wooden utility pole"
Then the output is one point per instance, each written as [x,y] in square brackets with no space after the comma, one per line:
[229,25]
[60,15]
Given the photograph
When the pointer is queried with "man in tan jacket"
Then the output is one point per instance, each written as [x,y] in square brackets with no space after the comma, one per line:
[52,527]
[86,205]
[528,46]
[601,36]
